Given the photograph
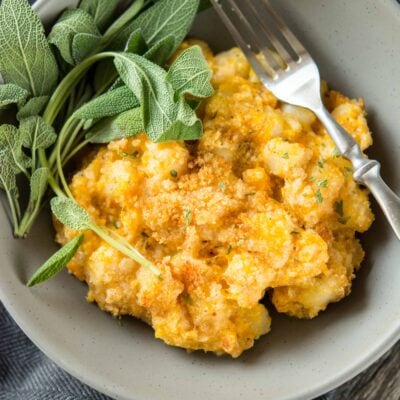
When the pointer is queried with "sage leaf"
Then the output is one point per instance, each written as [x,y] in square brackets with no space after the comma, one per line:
[38,183]
[9,184]
[103,72]
[185,127]
[100,10]
[69,213]
[108,104]
[11,149]
[190,74]
[7,179]
[161,51]
[83,45]
[34,106]
[165,18]
[136,43]
[38,186]
[56,262]
[36,133]
[106,68]
[25,57]
[114,38]
[163,117]
[72,24]
[12,94]
[88,124]
[124,125]
[117,83]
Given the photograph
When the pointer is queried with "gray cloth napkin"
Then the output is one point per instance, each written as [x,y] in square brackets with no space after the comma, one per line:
[27,374]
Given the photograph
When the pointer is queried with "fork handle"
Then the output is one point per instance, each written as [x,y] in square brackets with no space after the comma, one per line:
[366,171]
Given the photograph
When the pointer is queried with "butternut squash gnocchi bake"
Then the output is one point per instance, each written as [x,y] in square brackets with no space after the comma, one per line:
[262,206]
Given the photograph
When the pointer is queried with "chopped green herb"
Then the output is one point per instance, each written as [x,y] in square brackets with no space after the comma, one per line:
[188,216]
[349,170]
[222,186]
[285,156]
[343,220]
[322,183]
[321,163]
[336,153]
[319,197]
[124,154]
[339,208]
[173,173]
[229,250]
[312,178]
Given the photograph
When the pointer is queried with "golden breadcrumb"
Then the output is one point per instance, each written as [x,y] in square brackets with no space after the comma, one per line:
[262,203]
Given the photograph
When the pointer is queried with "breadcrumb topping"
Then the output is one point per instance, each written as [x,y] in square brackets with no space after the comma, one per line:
[261,205]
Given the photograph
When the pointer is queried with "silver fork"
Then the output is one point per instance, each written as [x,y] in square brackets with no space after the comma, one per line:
[289,72]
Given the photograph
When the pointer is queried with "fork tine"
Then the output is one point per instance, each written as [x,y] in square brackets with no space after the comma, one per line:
[258,46]
[290,38]
[274,40]
[224,12]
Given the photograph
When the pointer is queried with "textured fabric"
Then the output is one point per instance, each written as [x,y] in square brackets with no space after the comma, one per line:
[27,374]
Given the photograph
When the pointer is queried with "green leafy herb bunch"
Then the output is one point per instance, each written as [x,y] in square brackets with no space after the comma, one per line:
[99,75]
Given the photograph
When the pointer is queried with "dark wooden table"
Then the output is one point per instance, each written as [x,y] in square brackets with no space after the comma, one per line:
[381,381]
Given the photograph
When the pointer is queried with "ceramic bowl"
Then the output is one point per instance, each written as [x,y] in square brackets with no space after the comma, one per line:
[356,45]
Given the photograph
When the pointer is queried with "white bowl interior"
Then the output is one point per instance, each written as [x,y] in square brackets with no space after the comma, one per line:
[354,43]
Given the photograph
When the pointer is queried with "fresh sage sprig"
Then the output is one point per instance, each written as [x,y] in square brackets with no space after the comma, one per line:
[26,59]
[69,213]
[12,94]
[8,183]
[165,18]
[108,104]
[166,115]
[56,262]
[62,106]
[102,11]
[75,35]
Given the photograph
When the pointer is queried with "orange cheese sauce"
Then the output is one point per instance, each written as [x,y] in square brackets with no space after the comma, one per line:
[261,205]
